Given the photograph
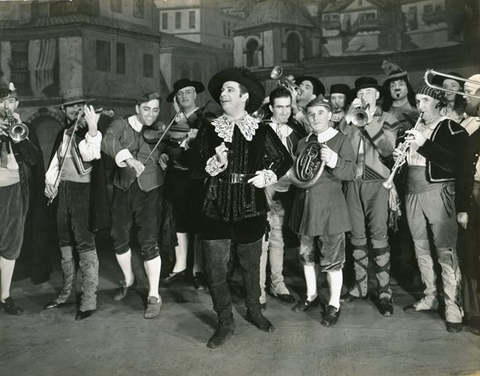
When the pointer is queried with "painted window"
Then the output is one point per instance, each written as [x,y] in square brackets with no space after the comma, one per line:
[178,20]
[102,56]
[164,21]
[147,65]
[191,19]
[116,6]
[120,58]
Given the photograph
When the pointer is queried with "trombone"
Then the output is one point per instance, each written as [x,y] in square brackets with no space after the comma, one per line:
[432,72]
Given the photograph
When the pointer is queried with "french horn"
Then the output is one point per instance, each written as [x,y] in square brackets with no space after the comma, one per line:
[308,167]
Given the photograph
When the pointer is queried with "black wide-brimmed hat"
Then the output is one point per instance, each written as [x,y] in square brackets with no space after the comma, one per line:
[318,87]
[73,96]
[244,77]
[366,82]
[340,89]
[182,83]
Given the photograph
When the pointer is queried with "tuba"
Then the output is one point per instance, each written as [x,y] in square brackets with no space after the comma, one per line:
[308,167]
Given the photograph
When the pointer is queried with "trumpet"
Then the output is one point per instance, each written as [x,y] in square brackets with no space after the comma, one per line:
[360,115]
[429,72]
[401,158]
[16,131]
[277,73]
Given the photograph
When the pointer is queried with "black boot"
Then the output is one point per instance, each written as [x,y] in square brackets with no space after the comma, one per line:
[225,331]
[260,321]
[249,257]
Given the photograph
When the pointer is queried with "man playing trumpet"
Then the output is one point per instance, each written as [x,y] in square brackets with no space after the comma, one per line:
[373,141]
[15,159]
[433,160]
[69,177]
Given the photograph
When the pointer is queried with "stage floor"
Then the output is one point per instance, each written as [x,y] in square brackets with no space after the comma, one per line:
[118,341]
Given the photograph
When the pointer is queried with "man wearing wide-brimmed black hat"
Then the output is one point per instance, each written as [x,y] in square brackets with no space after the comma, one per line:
[183,192]
[373,141]
[16,158]
[238,155]
[70,179]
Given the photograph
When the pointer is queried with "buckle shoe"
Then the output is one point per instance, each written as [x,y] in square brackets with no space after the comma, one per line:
[153,307]
[330,316]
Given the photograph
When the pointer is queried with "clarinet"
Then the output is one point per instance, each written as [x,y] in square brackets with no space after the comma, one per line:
[401,158]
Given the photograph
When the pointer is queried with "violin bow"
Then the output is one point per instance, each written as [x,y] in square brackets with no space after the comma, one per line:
[162,136]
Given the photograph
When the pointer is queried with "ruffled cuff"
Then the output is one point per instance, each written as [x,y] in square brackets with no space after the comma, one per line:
[213,168]
[270,177]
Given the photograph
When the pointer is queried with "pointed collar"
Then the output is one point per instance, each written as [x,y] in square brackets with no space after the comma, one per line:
[224,127]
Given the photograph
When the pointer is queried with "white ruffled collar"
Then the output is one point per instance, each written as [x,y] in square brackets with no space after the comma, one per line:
[224,127]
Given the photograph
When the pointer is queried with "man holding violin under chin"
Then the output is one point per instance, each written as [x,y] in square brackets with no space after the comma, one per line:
[72,178]
[137,192]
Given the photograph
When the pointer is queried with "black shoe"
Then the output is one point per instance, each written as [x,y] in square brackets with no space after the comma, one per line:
[348,298]
[82,315]
[454,327]
[305,304]
[285,298]
[123,290]
[330,316]
[11,307]
[221,335]
[260,321]
[199,281]
[410,309]
[54,304]
[263,307]
[174,277]
[385,307]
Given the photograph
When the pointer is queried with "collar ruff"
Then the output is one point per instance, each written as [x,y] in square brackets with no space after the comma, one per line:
[224,127]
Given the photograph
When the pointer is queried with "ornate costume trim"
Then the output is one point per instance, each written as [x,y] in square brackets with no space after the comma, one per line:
[224,127]
[213,168]
[270,177]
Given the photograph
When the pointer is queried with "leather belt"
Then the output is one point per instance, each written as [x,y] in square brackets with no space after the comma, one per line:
[234,178]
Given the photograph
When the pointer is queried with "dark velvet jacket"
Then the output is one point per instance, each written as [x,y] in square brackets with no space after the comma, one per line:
[234,202]
[25,154]
[467,173]
[444,151]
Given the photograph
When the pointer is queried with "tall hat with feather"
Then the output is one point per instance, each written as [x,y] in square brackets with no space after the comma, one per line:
[393,72]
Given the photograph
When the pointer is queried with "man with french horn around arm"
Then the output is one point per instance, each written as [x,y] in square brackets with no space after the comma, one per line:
[320,212]
[370,131]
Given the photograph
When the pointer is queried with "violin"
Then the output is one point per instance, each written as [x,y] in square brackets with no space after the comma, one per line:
[152,134]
